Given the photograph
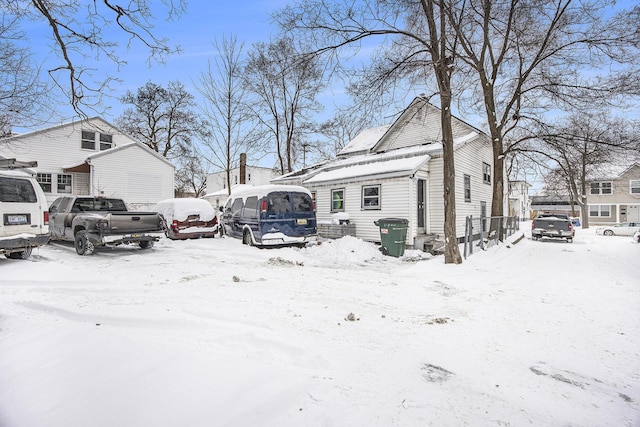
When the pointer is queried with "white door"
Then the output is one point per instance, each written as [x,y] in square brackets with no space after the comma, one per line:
[633,213]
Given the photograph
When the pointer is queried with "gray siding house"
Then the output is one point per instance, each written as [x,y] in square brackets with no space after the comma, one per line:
[396,171]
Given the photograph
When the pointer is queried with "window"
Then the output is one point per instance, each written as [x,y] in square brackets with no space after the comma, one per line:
[279,203]
[16,190]
[600,210]
[88,140]
[486,173]
[301,202]
[237,206]
[467,188]
[106,141]
[634,186]
[337,200]
[251,207]
[44,179]
[371,197]
[64,184]
[601,188]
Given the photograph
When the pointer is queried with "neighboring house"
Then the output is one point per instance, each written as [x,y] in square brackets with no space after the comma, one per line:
[92,157]
[615,196]
[396,171]
[255,175]
[553,204]
[519,200]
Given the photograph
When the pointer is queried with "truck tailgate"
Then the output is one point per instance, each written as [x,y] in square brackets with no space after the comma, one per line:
[134,222]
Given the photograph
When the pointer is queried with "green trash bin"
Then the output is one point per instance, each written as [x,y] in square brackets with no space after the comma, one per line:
[393,235]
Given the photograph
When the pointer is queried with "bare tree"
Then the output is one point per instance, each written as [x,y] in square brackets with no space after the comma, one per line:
[529,57]
[420,48]
[81,36]
[285,84]
[233,129]
[163,118]
[23,96]
[191,176]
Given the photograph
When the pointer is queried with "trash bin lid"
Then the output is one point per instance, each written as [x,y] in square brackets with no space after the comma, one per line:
[393,220]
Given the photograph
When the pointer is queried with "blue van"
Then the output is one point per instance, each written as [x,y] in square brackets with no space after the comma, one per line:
[270,215]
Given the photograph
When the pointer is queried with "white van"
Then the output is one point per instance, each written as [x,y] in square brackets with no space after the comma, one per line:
[24,215]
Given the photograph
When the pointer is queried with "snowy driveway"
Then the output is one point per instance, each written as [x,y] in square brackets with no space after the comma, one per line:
[213,333]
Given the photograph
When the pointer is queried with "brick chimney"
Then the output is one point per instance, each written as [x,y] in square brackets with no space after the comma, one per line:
[243,168]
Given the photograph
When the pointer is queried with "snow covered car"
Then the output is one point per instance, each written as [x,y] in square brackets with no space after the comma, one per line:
[621,229]
[187,218]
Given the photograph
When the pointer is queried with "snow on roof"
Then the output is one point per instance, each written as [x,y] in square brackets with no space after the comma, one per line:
[180,209]
[262,190]
[398,166]
[365,140]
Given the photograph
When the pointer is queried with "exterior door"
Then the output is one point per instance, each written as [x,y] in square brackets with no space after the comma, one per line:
[633,213]
[422,199]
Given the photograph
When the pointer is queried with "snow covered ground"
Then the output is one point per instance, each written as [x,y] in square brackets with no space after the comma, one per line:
[213,333]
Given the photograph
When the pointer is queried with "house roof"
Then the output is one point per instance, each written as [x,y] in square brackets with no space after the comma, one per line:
[365,140]
[91,121]
[82,166]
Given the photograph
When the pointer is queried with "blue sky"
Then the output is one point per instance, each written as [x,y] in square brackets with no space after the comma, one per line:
[194,32]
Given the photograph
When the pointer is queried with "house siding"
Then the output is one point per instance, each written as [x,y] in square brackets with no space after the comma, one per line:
[622,204]
[130,175]
[393,204]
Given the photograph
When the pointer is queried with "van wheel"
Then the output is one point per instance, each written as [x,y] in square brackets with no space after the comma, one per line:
[20,255]
[84,245]
[246,238]
[146,244]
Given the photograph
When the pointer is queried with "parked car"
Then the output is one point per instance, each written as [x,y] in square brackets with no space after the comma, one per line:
[24,217]
[90,222]
[557,226]
[188,218]
[270,215]
[621,229]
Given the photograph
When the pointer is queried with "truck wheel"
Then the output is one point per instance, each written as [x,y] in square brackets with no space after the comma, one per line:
[19,255]
[84,245]
[246,238]
[608,233]
[146,244]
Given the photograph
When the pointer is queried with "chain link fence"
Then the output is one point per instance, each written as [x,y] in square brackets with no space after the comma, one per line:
[484,232]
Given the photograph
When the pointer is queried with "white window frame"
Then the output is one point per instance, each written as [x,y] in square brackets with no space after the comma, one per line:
[378,197]
[106,141]
[634,186]
[46,179]
[597,188]
[599,211]
[486,173]
[467,188]
[62,177]
[334,191]
[86,142]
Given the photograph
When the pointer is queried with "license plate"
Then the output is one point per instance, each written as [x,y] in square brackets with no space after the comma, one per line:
[17,219]
[135,236]
[301,221]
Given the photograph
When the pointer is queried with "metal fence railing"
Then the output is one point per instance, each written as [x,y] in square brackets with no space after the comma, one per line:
[484,232]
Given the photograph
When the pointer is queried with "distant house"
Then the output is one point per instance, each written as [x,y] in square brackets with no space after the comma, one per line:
[519,200]
[217,189]
[92,157]
[554,204]
[396,171]
[614,195]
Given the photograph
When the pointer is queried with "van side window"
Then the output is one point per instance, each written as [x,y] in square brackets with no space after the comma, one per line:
[236,208]
[279,203]
[301,203]
[251,207]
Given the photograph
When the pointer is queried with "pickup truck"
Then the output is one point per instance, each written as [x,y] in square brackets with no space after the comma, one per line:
[550,225]
[95,221]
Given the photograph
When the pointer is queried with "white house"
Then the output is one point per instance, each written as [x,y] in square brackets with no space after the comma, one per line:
[396,171]
[519,200]
[92,157]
